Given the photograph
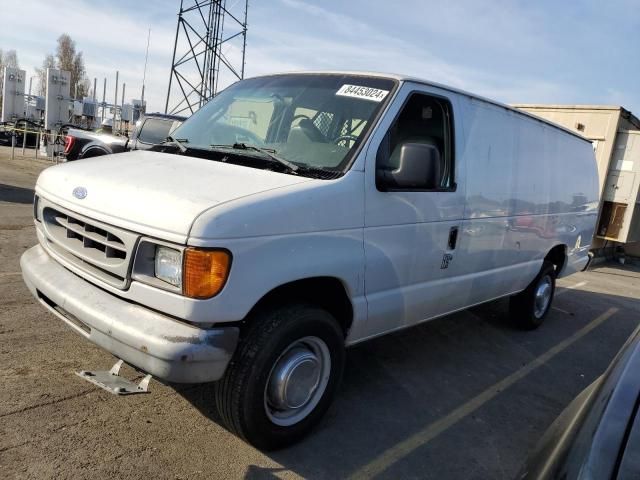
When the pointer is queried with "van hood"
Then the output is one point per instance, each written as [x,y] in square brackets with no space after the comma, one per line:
[153,193]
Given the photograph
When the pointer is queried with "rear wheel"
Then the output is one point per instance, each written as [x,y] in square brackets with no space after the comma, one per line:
[529,308]
[283,376]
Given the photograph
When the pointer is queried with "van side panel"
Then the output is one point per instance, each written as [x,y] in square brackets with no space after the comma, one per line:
[527,188]
[530,187]
[490,152]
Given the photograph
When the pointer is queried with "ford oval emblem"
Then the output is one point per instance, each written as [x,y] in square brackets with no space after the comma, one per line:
[80,193]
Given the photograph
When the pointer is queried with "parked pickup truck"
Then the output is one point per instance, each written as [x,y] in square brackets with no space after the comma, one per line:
[151,130]
[295,215]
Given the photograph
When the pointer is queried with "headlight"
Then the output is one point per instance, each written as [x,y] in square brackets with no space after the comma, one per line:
[168,265]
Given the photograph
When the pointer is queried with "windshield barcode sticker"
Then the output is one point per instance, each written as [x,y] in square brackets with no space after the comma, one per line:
[366,93]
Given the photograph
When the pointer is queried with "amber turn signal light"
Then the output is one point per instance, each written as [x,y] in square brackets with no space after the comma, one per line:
[205,272]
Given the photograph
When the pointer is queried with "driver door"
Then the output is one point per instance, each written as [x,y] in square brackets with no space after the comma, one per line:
[413,256]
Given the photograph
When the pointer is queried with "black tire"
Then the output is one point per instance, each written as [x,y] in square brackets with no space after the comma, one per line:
[240,394]
[522,307]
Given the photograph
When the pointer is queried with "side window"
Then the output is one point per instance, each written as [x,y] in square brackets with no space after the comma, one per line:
[175,124]
[154,131]
[422,130]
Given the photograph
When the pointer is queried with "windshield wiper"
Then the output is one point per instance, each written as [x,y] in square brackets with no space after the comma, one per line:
[269,153]
[177,142]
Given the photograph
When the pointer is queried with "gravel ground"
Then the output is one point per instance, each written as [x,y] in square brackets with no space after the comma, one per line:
[446,400]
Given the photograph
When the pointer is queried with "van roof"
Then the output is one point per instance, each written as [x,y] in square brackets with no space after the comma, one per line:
[408,78]
[553,106]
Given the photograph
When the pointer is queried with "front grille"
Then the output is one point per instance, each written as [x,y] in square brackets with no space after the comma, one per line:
[102,250]
[91,237]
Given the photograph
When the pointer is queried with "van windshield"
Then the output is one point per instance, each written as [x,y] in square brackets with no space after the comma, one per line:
[309,120]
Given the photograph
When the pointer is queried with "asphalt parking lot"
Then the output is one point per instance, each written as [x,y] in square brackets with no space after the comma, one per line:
[462,397]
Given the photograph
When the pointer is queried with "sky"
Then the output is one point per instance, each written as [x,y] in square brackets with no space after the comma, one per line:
[514,51]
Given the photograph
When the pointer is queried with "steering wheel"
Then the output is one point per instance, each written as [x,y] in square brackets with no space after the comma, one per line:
[300,115]
[344,138]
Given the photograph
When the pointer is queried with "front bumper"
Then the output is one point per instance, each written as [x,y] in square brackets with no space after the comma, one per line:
[157,344]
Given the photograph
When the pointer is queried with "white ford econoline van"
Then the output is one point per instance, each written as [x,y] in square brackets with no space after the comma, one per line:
[297,214]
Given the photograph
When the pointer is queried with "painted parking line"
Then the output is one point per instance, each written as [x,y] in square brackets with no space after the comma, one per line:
[561,310]
[569,288]
[404,448]
[565,290]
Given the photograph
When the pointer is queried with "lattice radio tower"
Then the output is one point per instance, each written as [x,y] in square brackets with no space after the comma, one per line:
[210,44]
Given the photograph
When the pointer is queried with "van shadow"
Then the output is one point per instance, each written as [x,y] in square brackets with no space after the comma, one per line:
[10,193]
[396,387]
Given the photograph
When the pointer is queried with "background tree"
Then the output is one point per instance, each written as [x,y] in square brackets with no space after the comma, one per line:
[66,58]
[48,62]
[9,59]
[82,83]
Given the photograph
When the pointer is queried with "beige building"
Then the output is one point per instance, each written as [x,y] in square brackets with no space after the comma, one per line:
[615,133]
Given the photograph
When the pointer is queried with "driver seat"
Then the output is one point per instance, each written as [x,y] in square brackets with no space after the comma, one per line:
[305,132]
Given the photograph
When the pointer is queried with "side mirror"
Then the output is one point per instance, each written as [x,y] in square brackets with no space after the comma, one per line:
[418,167]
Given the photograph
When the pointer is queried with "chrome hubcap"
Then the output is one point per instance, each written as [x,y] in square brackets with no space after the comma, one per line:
[297,381]
[543,296]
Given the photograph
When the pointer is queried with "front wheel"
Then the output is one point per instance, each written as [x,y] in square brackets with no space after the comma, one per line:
[530,307]
[283,376]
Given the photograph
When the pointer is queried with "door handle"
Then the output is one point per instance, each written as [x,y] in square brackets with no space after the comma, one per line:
[453,237]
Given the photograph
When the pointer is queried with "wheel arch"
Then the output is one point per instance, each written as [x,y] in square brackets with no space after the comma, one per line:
[93,151]
[558,256]
[326,292]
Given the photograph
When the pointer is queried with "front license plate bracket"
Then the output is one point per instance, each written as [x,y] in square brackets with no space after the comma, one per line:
[111,381]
